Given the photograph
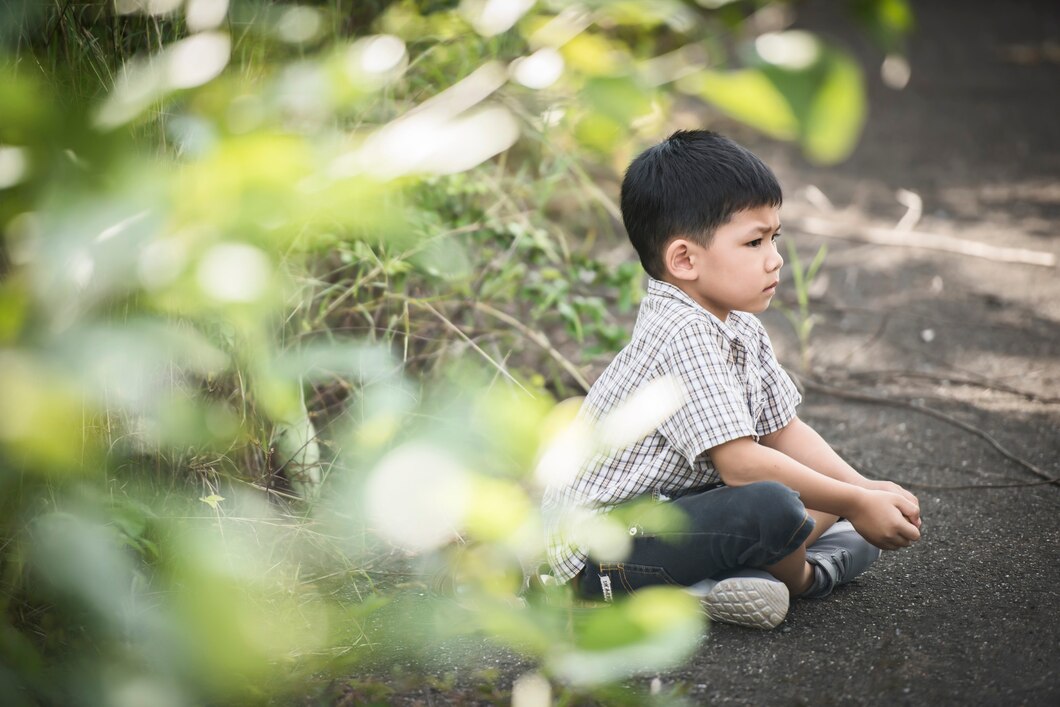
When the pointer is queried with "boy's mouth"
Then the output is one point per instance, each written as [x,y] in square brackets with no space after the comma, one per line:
[772,287]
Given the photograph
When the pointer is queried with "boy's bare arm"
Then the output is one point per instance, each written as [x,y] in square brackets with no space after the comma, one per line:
[882,517]
[803,444]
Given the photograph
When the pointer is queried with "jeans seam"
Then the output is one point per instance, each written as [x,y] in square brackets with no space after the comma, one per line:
[704,533]
[619,570]
[796,532]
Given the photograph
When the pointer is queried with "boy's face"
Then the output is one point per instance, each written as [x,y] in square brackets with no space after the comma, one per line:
[741,267]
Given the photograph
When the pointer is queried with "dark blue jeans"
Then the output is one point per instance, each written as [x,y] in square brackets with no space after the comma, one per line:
[728,528]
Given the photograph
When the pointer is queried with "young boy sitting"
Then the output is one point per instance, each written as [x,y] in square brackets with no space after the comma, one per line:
[761,491]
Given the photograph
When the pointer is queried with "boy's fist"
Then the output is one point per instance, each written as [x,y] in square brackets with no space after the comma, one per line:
[887,520]
[895,488]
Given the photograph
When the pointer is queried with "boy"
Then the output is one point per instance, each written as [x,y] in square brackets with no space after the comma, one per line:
[760,490]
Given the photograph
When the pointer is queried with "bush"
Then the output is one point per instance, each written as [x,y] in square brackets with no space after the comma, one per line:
[288,295]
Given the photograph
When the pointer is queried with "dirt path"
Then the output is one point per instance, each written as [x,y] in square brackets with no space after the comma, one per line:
[970,615]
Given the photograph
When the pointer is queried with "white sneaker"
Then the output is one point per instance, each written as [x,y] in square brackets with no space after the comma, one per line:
[750,598]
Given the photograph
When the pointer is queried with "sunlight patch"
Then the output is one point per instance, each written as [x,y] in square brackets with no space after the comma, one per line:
[197,60]
[539,70]
[793,50]
[13,166]
[490,17]
[234,272]
[205,14]
[642,412]
[417,497]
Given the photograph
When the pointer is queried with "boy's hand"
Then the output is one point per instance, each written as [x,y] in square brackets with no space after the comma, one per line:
[895,488]
[887,520]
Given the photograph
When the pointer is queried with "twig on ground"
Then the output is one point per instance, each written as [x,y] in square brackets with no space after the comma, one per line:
[926,240]
[938,414]
[985,384]
[964,487]
[914,210]
[538,338]
[1004,481]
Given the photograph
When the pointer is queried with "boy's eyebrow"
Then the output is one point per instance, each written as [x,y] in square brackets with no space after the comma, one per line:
[766,228]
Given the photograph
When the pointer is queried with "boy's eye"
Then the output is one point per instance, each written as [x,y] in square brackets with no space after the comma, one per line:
[758,241]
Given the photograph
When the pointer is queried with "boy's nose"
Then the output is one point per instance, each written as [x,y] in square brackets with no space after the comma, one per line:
[775,261]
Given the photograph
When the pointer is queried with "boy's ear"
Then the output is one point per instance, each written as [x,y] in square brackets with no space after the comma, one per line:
[679,259]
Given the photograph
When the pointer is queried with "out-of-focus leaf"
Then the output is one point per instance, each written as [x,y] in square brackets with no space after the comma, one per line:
[644,15]
[888,22]
[536,630]
[600,133]
[497,507]
[749,96]
[827,98]
[833,124]
[323,360]
[652,630]
[620,98]
[246,181]
[233,619]
[134,363]
[26,111]
[81,561]
[41,415]
[514,420]
[801,90]
[594,54]
[13,309]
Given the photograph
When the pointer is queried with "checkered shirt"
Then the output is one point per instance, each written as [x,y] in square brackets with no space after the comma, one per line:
[734,388]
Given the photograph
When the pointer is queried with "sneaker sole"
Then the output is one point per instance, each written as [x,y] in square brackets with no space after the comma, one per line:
[747,601]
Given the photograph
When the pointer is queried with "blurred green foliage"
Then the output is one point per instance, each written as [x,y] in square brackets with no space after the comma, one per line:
[287,294]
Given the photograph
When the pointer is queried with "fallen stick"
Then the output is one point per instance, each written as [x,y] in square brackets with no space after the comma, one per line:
[865,397]
[926,240]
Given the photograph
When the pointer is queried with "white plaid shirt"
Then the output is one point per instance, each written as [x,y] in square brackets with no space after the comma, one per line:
[734,388]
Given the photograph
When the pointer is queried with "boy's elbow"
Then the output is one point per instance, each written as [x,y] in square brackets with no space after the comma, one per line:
[733,461]
[733,477]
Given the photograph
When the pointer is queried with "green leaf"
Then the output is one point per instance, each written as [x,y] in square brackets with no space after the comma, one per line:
[816,95]
[818,261]
[833,123]
[594,54]
[889,22]
[574,322]
[619,98]
[749,96]
[655,628]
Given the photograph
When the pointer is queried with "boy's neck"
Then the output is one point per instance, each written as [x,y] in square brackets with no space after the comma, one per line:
[687,288]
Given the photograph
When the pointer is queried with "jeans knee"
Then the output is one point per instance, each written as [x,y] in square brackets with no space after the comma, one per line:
[783,521]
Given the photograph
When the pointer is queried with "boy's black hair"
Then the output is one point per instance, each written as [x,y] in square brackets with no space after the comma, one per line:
[688,185]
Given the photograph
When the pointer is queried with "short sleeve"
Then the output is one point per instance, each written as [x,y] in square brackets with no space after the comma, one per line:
[715,410]
[782,398]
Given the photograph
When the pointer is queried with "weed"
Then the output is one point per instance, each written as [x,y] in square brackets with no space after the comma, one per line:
[801,318]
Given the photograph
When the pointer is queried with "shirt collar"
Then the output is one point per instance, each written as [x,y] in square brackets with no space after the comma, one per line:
[665,290]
